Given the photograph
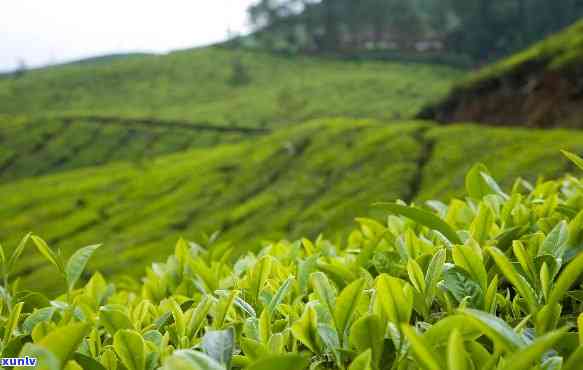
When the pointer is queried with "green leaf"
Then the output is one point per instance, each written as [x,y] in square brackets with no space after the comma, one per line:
[77,263]
[259,276]
[197,317]
[397,305]
[482,224]
[252,348]
[578,161]
[2,258]
[476,185]
[421,349]
[368,333]
[113,319]
[532,354]
[496,329]
[187,359]
[290,361]
[520,284]
[280,294]
[424,218]
[324,290]
[12,322]
[130,348]
[87,363]
[305,329]
[416,275]
[362,361]
[575,360]
[456,353]
[264,326]
[462,286]
[566,279]
[178,315]
[219,346]
[434,272]
[64,341]
[43,314]
[48,253]
[330,339]
[438,334]
[465,257]
[16,253]
[346,305]
[222,308]
[555,243]
[46,360]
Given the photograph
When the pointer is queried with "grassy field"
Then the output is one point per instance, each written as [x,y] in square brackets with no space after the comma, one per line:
[199,85]
[295,182]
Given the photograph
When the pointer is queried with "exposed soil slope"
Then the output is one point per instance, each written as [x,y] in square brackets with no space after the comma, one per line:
[540,87]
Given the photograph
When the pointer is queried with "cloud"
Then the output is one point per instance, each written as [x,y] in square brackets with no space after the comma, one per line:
[41,32]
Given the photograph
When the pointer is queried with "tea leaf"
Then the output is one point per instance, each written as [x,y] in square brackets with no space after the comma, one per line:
[219,346]
[566,279]
[421,349]
[346,305]
[63,341]
[362,361]
[518,281]
[424,218]
[280,362]
[77,263]
[190,360]
[130,347]
[527,356]
[48,253]
[496,329]
[456,353]
[578,161]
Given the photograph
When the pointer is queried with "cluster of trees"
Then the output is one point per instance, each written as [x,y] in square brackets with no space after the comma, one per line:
[481,29]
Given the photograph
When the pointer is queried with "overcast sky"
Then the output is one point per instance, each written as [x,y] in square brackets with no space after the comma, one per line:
[48,31]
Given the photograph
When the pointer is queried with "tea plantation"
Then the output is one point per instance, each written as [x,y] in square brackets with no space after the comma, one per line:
[263,163]
[42,145]
[301,181]
[492,282]
[202,85]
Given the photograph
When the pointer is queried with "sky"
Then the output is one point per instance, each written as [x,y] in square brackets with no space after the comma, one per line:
[41,32]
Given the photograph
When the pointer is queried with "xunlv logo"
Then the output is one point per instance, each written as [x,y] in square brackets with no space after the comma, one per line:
[18,361]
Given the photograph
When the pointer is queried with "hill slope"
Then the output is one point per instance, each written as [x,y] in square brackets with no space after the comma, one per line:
[224,87]
[43,145]
[293,182]
[540,87]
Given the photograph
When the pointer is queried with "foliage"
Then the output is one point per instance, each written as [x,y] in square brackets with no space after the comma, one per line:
[43,145]
[288,184]
[502,292]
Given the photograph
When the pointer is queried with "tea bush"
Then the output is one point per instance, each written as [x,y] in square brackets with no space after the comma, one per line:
[291,183]
[197,85]
[489,282]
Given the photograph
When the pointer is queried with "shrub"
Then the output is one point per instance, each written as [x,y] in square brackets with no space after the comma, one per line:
[489,282]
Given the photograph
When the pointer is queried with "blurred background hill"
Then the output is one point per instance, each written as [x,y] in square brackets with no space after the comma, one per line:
[289,128]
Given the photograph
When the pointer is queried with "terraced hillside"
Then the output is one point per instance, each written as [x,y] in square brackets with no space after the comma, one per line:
[540,87]
[38,146]
[227,87]
[293,182]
